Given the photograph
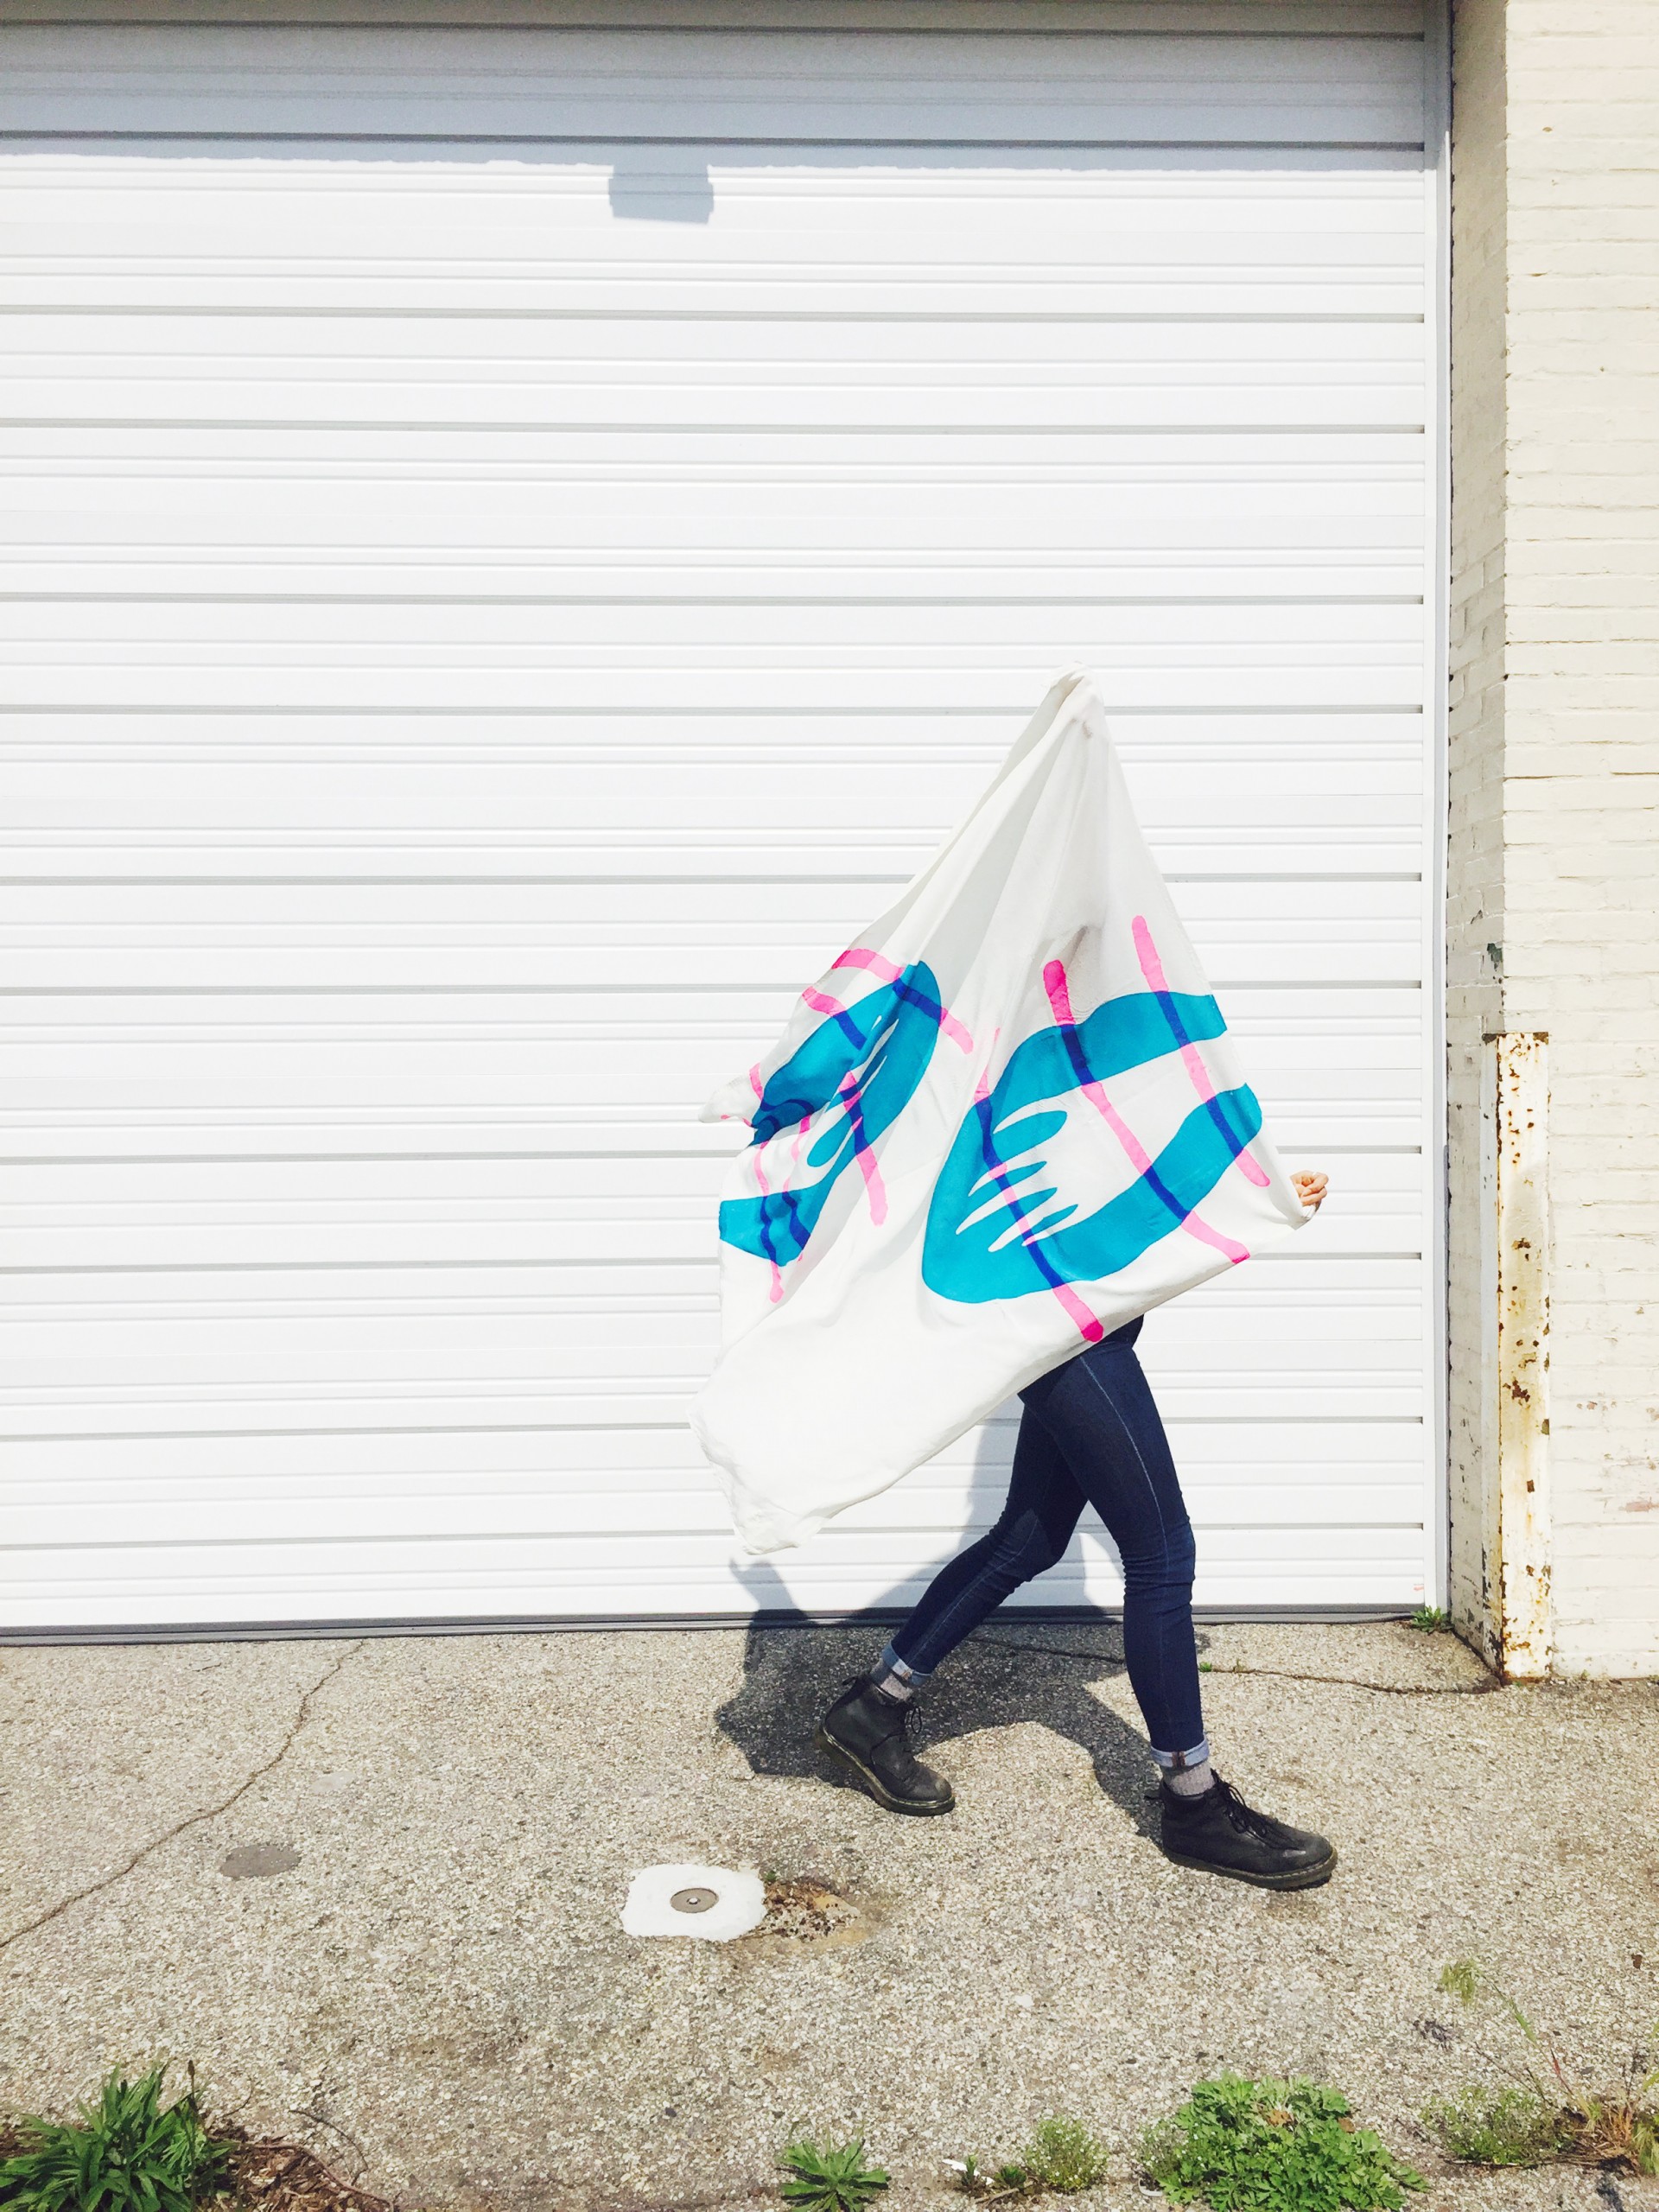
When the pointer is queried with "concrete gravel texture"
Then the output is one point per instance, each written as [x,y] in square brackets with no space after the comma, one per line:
[431,1986]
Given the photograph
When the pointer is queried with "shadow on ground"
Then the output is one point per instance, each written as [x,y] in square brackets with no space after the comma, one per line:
[1006,1675]
[374,1890]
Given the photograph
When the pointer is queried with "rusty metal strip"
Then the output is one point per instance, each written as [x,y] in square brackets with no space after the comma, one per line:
[1522,1117]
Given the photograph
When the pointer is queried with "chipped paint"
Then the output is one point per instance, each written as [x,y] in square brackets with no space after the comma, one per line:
[1520,1062]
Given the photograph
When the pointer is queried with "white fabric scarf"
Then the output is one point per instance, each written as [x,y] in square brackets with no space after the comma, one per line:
[1007,1121]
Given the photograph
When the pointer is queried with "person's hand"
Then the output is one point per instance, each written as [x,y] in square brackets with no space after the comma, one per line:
[1310,1187]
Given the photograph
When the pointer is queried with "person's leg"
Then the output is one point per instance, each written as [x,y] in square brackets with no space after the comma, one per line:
[863,1732]
[1101,1414]
[1091,1432]
[1042,1510]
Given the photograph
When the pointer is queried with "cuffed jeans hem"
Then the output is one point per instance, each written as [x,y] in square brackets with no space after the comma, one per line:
[890,1663]
[1178,1762]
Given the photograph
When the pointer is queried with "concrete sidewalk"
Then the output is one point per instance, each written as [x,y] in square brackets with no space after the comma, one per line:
[432,1988]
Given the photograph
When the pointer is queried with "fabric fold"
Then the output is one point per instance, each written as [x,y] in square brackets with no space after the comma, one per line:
[1006,1121]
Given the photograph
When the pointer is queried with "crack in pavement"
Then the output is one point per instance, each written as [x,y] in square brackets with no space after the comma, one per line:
[1382,1689]
[1280,1674]
[193,1820]
[321,2120]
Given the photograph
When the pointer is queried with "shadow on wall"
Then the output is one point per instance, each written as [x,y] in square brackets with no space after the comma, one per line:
[662,184]
[1007,1673]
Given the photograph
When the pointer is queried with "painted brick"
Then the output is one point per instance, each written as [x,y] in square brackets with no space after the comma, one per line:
[1554,765]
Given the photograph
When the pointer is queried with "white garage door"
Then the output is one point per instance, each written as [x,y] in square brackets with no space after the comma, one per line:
[520,539]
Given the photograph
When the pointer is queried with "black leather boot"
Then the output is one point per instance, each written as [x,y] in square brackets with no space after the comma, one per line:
[1221,1834]
[863,1733]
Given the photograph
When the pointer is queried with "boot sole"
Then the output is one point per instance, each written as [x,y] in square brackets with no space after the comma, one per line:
[838,1755]
[1304,1878]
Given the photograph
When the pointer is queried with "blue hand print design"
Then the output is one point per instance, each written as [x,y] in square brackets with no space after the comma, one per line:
[871,1057]
[976,1250]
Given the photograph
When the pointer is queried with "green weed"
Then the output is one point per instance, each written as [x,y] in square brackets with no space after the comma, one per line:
[829,2177]
[1548,2114]
[1429,1620]
[1061,2156]
[1461,1980]
[127,2152]
[1620,2131]
[1274,2146]
[1509,2126]
[1466,1979]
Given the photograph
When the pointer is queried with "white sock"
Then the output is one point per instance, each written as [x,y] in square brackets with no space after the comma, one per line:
[894,1679]
[1190,1781]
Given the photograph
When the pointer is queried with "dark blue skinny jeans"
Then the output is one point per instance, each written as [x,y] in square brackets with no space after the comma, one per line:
[1090,1435]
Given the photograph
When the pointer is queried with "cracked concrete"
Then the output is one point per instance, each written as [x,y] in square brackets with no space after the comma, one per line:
[15,1935]
[432,1988]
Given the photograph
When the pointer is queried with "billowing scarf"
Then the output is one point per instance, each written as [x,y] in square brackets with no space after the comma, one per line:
[1005,1121]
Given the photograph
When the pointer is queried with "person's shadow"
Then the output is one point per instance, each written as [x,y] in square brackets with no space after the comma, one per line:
[1013,1669]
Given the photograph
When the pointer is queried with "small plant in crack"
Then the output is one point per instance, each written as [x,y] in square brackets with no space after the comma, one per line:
[1269,2145]
[1526,2124]
[1542,2111]
[127,2152]
[829,2176]
[1467,1979]
[1430,1620]
[1622,2130]
[1061,2158]
[1509,2126]
[1461,1979]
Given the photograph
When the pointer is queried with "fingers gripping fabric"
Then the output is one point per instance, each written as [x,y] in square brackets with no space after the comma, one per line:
[1004,1123]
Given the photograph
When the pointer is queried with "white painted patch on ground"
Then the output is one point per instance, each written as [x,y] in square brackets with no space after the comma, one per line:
[709,1902]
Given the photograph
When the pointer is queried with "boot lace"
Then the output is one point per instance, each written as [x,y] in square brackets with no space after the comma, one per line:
[1245,1818]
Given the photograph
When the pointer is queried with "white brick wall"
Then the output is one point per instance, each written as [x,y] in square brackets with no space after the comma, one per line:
[1554,736]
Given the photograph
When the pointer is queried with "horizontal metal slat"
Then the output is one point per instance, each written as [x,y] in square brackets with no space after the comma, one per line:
[1274,18]
[1361,1566]
[865,88]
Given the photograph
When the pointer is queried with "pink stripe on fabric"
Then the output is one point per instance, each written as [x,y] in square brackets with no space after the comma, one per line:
[1060,995]
[1196,1225]
[1153,969]
[765,1188]
[1089,1327]
[878,964]
[866,1163]
[1060,999]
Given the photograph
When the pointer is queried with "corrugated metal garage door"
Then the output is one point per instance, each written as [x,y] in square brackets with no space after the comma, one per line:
[522,538]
